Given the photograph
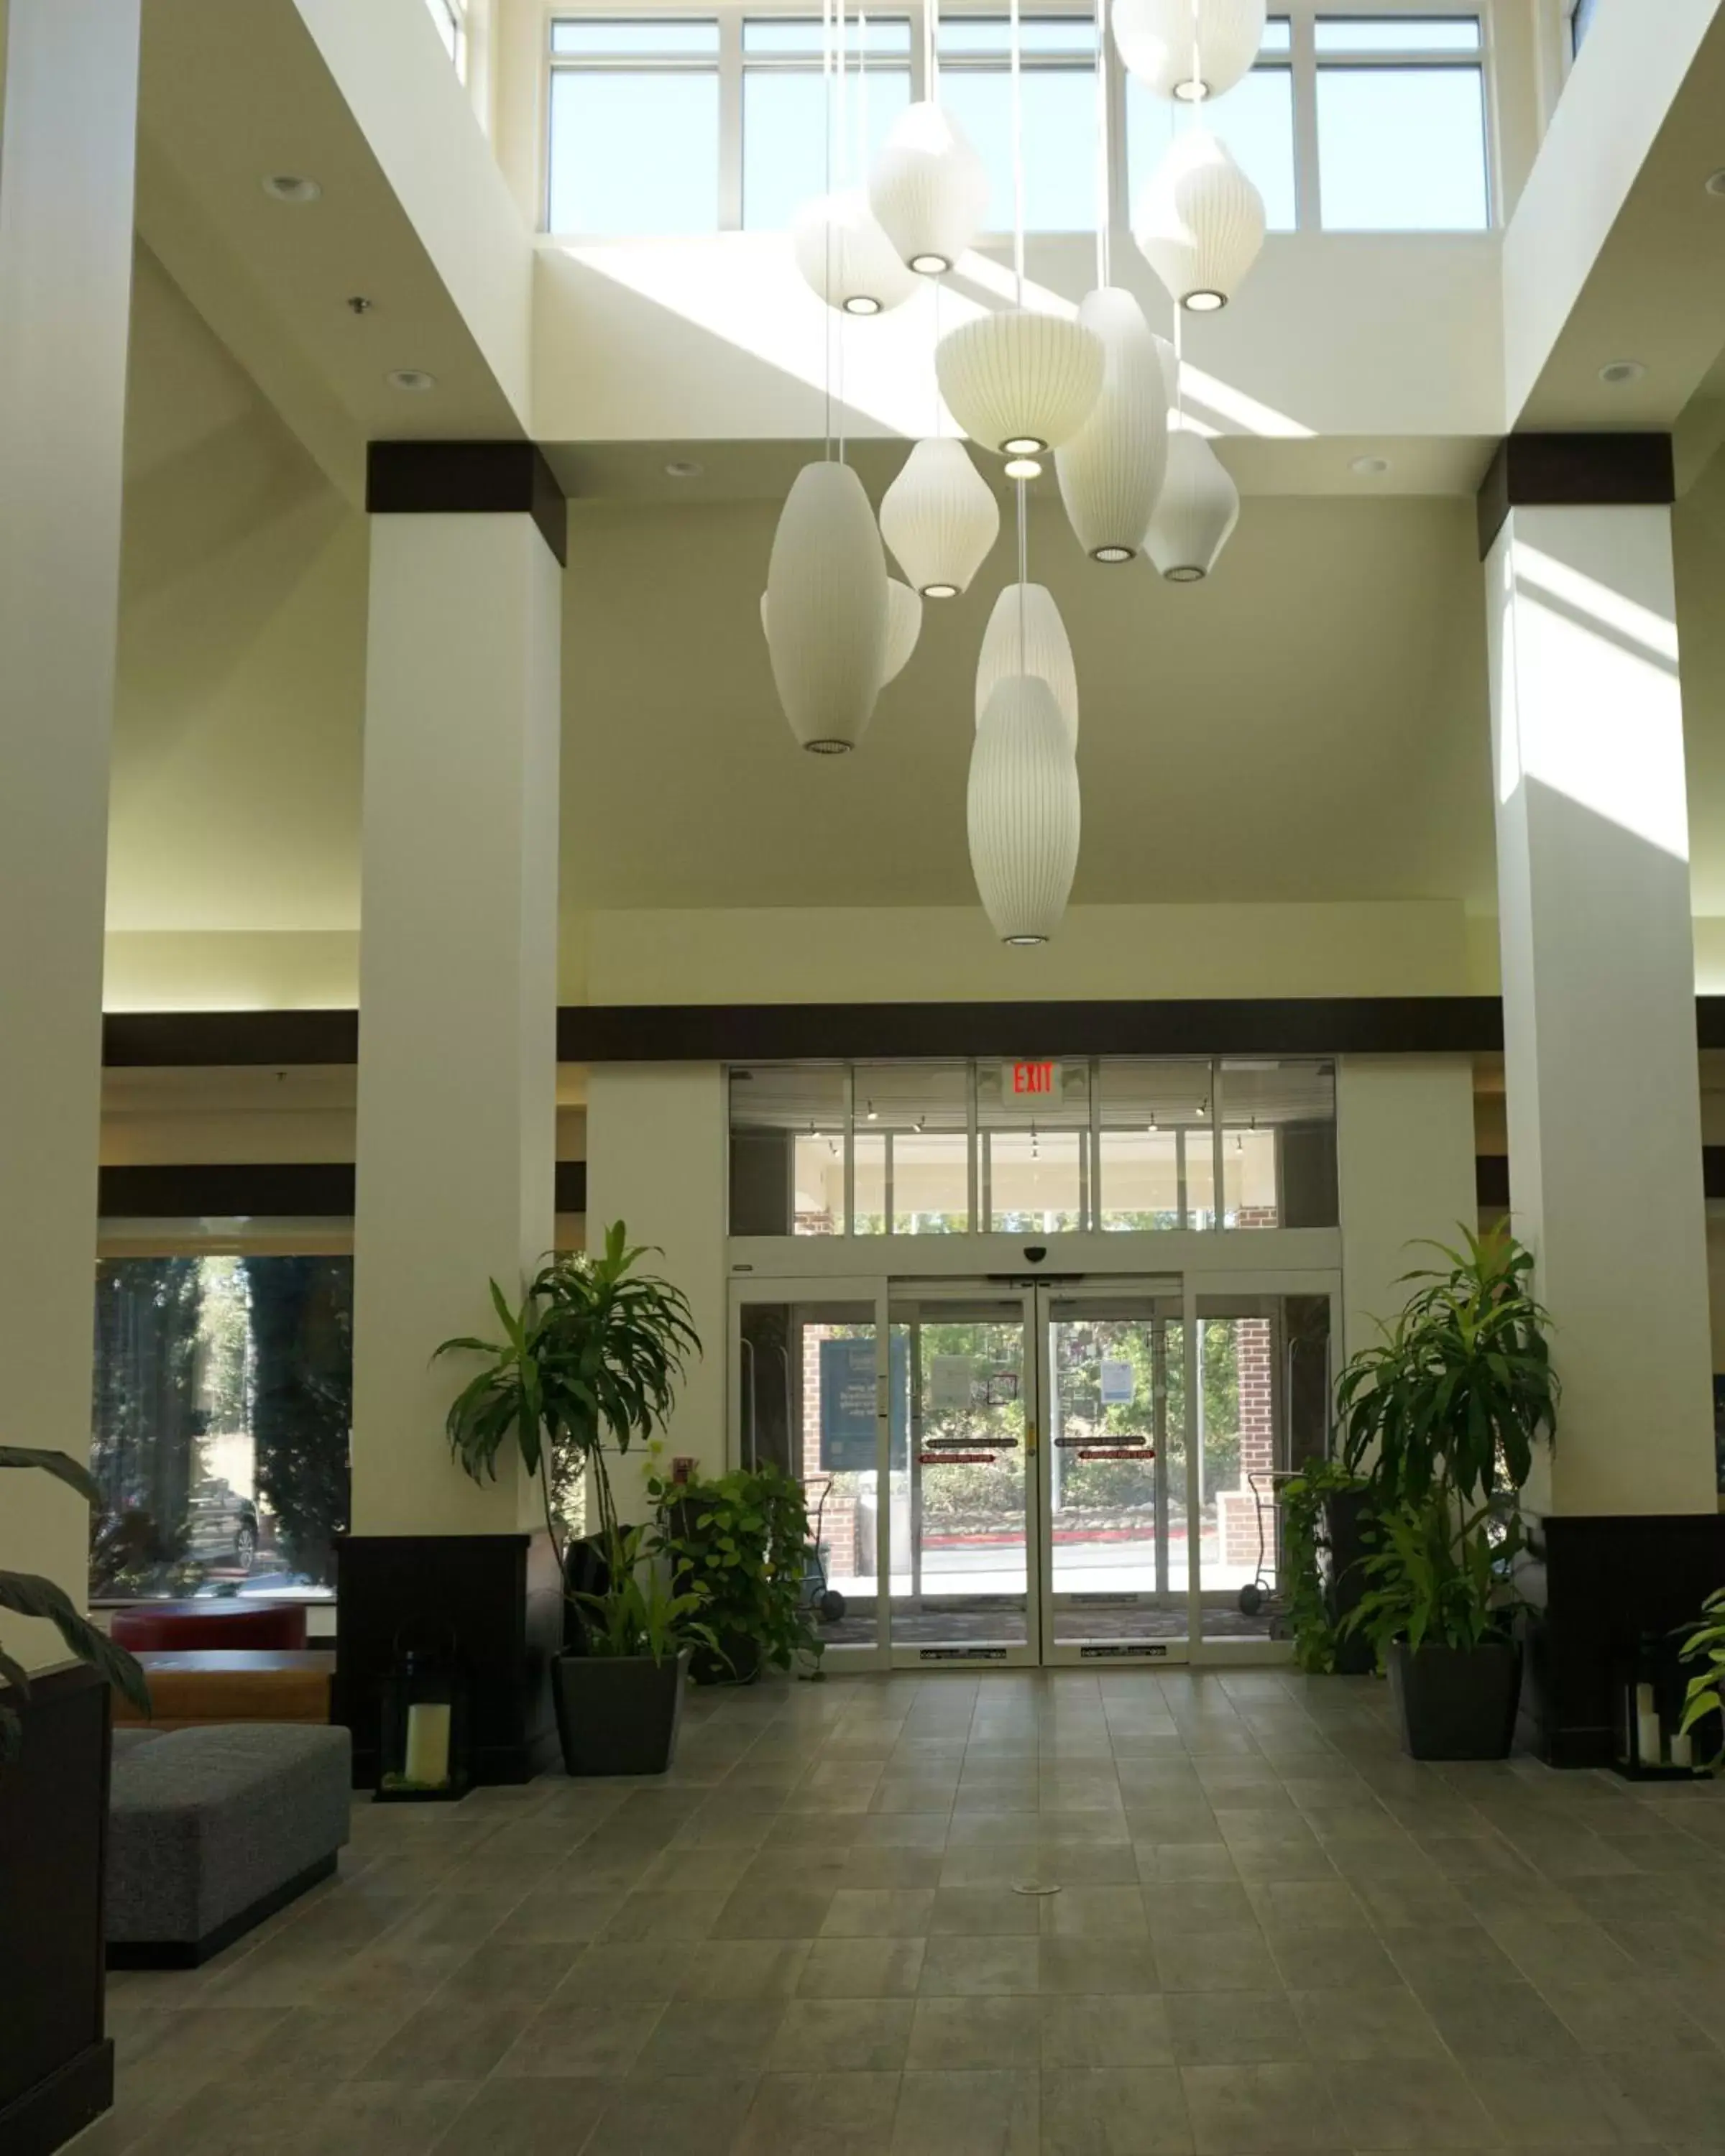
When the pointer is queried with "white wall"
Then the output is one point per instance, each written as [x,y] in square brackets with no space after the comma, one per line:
[1404,1127]
[658,1160]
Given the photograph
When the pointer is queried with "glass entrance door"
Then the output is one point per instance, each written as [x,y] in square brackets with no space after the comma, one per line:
[1115,1514]
[1014,1472]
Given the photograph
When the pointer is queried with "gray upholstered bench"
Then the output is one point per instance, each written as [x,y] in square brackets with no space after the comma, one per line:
[211,1830]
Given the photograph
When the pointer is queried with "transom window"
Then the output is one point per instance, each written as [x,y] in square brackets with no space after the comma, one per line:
[1119,1144]
[1350,121]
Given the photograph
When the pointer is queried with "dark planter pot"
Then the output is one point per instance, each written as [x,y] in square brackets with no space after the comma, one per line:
[618,1714]
[739,1663]
[1457,1702]
[1346,1516]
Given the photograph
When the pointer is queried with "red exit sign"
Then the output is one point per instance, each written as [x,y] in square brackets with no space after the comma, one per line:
[1030,1081]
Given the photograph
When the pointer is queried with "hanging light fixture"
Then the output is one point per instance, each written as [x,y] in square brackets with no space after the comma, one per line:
[940,518]
[1191,50]
[1023,810]
[1111,471]
[826,608]
[846,259]
[1026,635]
[1019,383]
[929,189]
[1198,511]
[904,625]
[1199,223]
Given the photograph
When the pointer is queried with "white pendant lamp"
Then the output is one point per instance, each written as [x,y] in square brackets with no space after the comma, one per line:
[1199,223]
[846,259]
[1023,811]
[826,608]
[1197,514]
[1019,383]
[1111,471]
[940,518]
[1190,49]
[929,189]
[1028,637]
[904,624]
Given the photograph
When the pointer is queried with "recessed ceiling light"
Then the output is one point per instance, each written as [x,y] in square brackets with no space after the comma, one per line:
[1112,554]
[410,378]
[684,467]
[1022,468]
[1617,371]
[1715,181]
[291,188]
[1369,467]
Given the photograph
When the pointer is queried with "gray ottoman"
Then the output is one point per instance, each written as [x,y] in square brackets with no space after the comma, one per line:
[211,1830]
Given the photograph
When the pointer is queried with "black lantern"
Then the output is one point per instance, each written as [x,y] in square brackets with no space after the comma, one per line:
[1648,1691]
[424,1754]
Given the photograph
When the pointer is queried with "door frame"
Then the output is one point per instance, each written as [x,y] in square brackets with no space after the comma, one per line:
[948,1279]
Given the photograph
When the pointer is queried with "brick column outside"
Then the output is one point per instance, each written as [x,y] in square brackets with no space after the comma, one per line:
[1252,1348]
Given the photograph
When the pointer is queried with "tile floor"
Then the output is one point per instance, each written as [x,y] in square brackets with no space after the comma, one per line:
[1272,1933]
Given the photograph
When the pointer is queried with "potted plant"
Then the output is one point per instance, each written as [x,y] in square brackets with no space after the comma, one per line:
[1321,1531]
[1441,1419]
[1704,1700]
[589,1364]
[741,1541]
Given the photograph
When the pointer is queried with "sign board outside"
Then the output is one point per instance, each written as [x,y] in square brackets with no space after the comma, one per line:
[847,1403]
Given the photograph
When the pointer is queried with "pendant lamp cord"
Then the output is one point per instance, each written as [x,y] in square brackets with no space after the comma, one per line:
[1104,235]
[1018,161]
[826,84]
[1197,58]
[1180,365]
[931,54]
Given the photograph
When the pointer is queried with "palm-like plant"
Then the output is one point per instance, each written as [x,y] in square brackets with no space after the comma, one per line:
[589,1364]
[1460,1389]
[28,1594]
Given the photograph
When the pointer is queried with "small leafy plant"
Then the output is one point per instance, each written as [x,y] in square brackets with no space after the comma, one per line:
[1438,1578]
[27,1594]
[1706,1645]
[741,1539]
[1310,1618]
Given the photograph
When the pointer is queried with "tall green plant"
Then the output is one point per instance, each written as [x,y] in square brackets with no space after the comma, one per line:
[1436,1579]
[1304,1499]
[1460,1389]
[1706,1645]
[740,1540]
[589,1364]
[27,1594]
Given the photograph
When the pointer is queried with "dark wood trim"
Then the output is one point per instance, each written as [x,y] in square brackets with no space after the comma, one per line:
[300,1190]
[321,1190]
[1563,471]
[662,1033]
[56,2063]
[1491,1181]
[741,1033]
[409,479]
[160,1040]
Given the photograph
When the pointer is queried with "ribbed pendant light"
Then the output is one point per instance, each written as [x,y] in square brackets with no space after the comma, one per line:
[1019,383]
[1196,513]
[1028,637]
[1188,48]
[1200,222]
[1023,811]
[846,259]
[940,518]
[929,189]
[904,625]
[826,608]
[1111,471]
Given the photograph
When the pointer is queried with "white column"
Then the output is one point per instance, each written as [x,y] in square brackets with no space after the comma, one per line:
[458,990]
[658,1160]
[1599,998]
[67,149]
[1405,1141]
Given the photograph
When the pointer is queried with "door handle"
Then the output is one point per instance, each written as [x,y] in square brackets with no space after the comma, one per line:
[1030,1438]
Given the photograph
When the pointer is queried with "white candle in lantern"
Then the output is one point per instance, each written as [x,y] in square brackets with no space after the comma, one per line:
[428,1760]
